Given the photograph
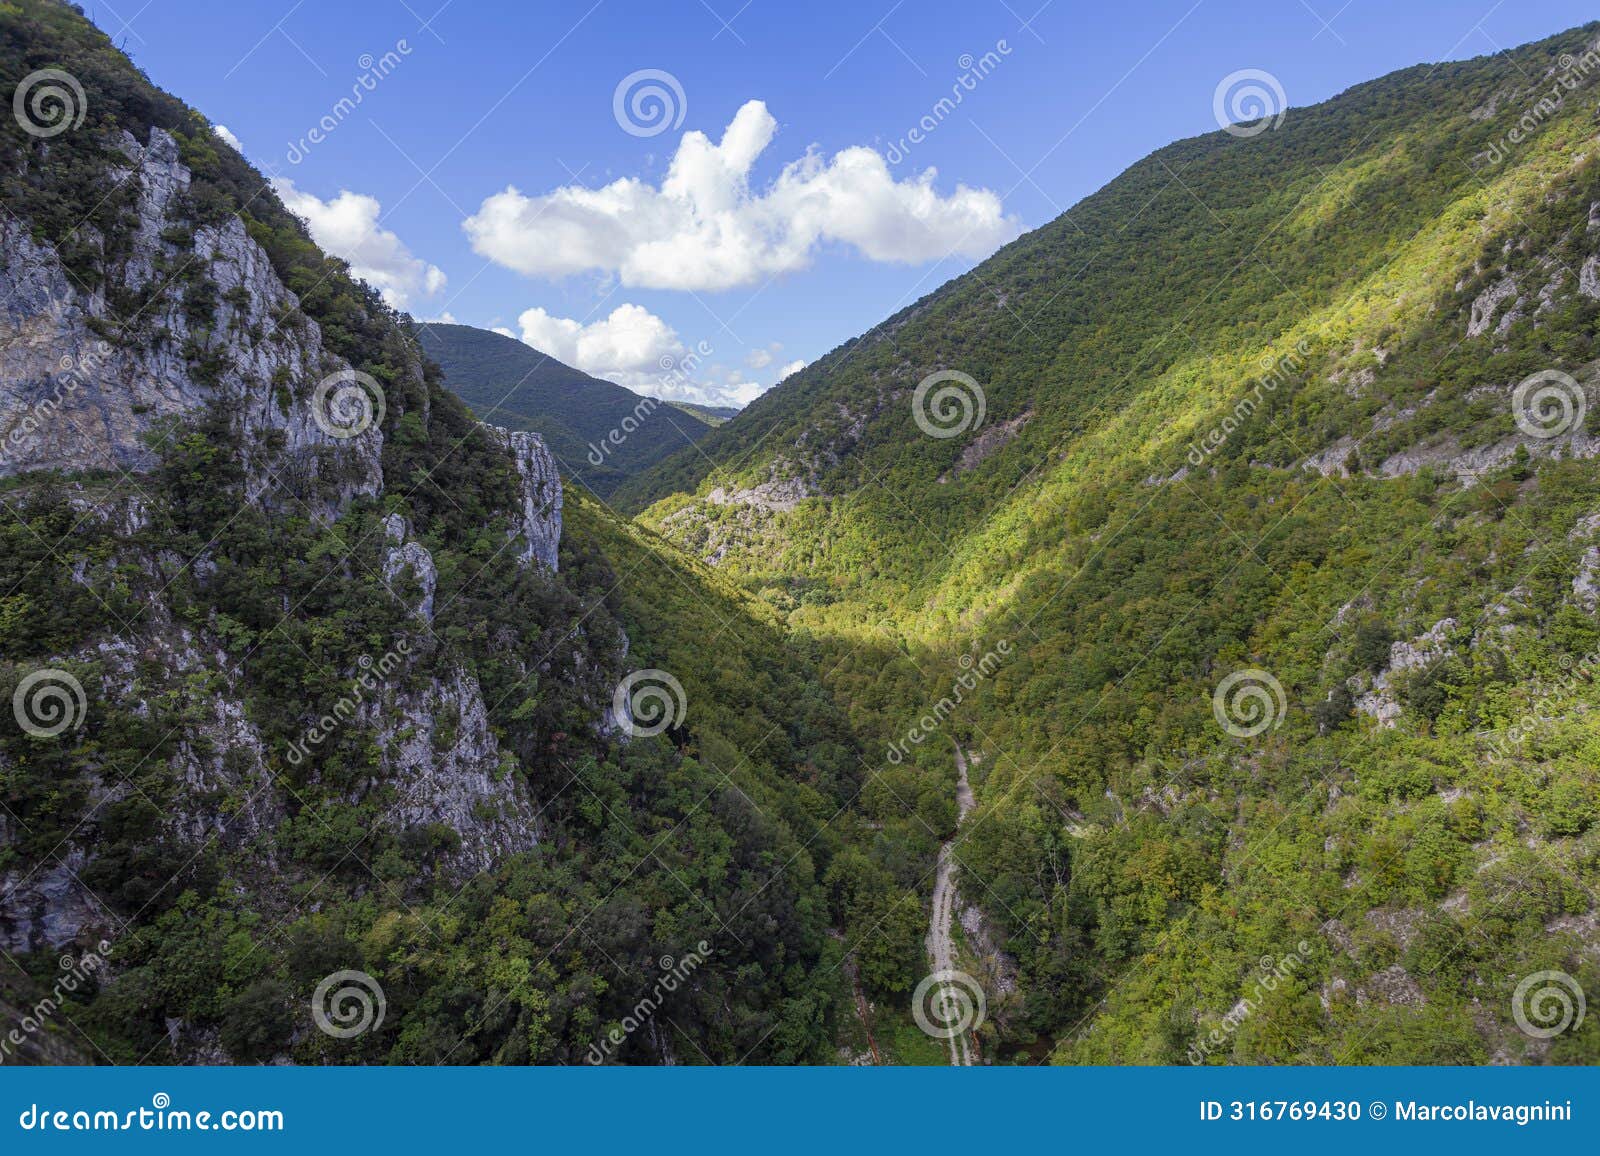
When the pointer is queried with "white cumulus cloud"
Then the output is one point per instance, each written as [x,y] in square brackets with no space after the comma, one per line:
[631,344]
[739,393]
[705,228]
[792,367]
[347,227]
[636,349]
[222,131]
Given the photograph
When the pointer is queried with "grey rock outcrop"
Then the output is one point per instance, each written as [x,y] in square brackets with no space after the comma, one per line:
[82,387]
[1377,699]
[1488,303]
[539,522]
[444,764]
[1589,278]
[48,906]
[778,496]
[1585,587]
[413,557]
[219,761]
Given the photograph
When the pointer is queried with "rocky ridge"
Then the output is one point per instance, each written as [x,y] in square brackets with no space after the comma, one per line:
[88,383]
[88,389]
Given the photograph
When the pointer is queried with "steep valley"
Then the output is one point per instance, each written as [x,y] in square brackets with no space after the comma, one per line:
[1270,467]
[1173,641]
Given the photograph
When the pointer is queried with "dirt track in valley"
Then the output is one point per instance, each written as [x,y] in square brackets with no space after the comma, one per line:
[941,948]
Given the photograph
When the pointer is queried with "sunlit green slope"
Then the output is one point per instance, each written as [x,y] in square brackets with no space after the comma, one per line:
[1254,417]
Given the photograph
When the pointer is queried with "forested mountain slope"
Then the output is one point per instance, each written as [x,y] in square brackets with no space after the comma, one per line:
[599,432]
[1273,479]
[311,676]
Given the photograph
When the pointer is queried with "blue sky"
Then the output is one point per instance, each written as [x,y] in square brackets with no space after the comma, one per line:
[813,220]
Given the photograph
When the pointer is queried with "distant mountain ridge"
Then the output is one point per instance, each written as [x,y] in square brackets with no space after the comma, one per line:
[600,432]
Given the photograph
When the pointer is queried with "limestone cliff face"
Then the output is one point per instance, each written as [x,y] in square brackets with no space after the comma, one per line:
[85,385]
[540,493]
[219,764]
[444,766]
[438,765]
[409,558]
[86,380]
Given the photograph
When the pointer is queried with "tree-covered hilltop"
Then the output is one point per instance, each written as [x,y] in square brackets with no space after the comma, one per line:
[600,433]
[1251,409]
[335,711]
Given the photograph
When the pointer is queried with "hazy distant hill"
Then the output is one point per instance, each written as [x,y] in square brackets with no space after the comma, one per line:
[511,384]
[710,414]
